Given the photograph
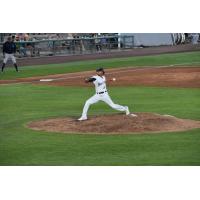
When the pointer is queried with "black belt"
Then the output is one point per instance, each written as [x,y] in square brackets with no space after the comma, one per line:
[101,92]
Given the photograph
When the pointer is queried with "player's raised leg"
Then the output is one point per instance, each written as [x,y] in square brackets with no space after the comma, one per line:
[94,99]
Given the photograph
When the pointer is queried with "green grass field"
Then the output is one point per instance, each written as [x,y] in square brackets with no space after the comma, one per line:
[21,103]
[191,58]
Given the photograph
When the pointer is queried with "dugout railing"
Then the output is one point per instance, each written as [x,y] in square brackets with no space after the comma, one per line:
[75,46]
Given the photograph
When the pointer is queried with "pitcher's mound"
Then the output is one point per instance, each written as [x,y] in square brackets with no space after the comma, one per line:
[116,124]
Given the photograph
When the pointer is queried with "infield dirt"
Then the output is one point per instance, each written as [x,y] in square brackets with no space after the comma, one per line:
[183,77]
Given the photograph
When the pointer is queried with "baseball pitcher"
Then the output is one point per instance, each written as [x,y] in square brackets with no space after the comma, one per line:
[99,81]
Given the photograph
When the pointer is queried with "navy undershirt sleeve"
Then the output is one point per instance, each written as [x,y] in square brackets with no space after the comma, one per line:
[91,79]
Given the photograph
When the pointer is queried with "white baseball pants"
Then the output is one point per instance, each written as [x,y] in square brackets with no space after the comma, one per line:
[9,57]
[101,97]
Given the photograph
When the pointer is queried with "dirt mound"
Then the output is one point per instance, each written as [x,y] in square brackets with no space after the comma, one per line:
[116,124]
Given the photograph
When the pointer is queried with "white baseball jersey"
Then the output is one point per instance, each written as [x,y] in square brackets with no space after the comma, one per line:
[100,83]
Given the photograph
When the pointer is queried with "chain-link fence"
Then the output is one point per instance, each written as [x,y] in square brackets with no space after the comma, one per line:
[75,46]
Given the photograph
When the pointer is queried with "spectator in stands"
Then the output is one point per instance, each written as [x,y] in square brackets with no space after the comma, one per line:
[97,42]
[51,43]
[29,45]
[17,44]
[77,44]
[195,38]
[103,43]
[18,38]
[22,47]
[13,38]
[58,36]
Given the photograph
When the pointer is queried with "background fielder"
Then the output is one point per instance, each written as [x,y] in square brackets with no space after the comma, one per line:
[9,49]
[99,81]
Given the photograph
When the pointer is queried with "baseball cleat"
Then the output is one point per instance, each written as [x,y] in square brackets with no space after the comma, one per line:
[133,115]
[127,110]
[82,119]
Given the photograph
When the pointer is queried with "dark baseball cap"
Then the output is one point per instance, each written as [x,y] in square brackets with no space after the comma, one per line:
[100,69]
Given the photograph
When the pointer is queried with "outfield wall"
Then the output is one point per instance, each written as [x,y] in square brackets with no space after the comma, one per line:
[149,39]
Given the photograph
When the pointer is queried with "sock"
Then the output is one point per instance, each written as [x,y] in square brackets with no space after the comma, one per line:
[16,67]
[3,67]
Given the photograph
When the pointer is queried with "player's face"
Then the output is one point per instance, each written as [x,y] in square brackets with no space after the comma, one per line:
[100,73]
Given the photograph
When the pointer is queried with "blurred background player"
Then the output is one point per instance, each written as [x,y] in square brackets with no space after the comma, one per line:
[9,49]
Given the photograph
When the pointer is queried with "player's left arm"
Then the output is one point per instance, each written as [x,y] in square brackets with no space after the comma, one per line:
[90,79]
